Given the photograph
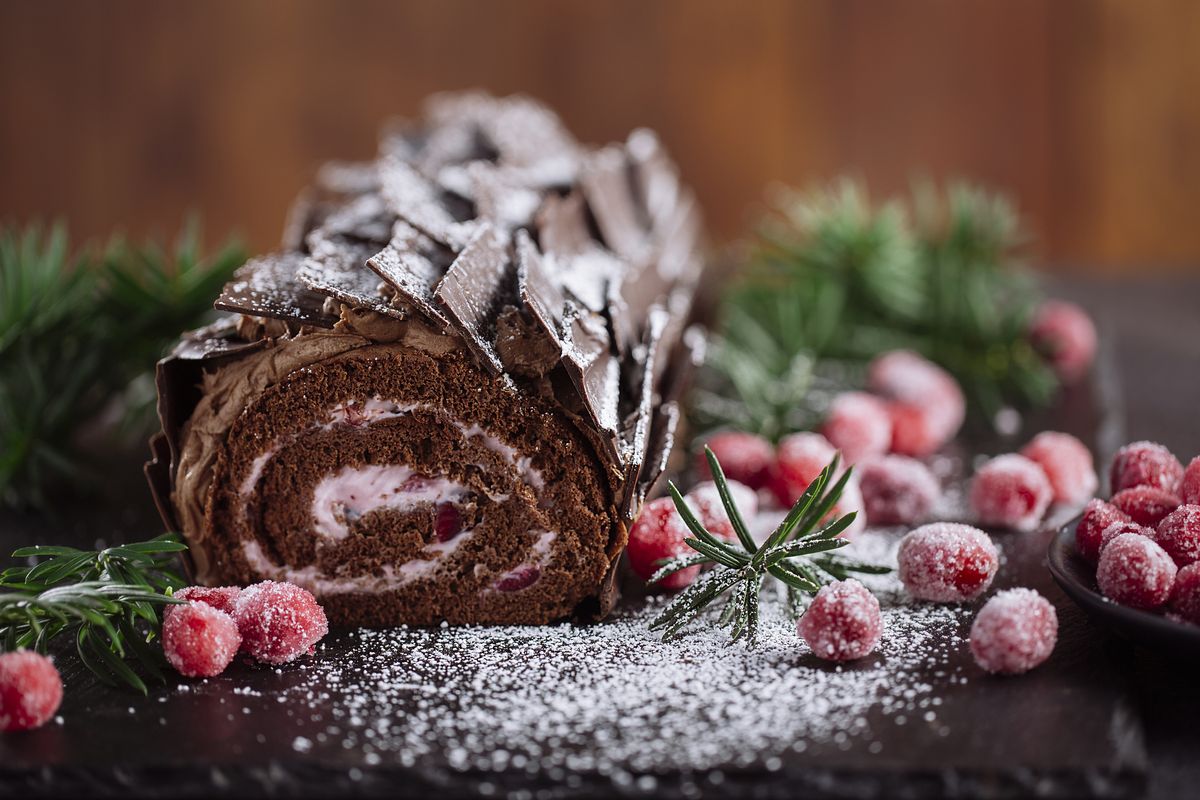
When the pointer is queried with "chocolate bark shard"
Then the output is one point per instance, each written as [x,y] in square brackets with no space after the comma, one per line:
[605,184]
[365,218]
[269,286]
[536,292]
[595,372]
[337,268]
[413,264]
[473,290]
[413,198]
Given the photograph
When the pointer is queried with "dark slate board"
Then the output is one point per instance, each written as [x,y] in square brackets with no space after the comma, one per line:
[1068,729]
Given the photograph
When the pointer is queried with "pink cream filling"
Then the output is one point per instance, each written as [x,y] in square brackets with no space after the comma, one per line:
[349,493]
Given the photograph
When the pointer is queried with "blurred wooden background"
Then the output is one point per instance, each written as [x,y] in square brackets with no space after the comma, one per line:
[129,114]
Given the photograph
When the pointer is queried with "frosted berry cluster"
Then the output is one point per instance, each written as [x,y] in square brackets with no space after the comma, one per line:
[1145,541]
[1015,490]
[272,622]
[30,690]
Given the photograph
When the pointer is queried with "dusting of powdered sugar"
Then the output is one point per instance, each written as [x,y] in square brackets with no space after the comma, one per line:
[612,697]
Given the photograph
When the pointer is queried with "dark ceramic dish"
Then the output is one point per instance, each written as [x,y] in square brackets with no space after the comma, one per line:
[1078,579]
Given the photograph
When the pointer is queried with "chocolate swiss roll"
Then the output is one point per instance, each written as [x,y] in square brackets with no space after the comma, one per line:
[447,395]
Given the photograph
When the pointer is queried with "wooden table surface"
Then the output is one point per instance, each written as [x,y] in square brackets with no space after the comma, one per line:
[1101,717]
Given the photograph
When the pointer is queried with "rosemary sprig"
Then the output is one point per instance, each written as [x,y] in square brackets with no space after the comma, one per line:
[799,553]
[107,600]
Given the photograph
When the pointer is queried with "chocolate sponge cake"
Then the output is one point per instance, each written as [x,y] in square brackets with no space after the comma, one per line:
[446,396]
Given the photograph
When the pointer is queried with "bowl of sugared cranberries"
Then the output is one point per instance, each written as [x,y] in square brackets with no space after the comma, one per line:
[1132,561]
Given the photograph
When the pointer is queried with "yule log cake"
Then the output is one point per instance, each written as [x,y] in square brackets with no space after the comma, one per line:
[447,395]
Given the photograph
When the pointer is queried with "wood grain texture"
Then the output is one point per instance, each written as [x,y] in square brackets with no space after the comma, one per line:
[131,113]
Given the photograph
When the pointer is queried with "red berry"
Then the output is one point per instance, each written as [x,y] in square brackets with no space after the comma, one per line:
[1097,517]
[859,425]
[658,534]
[1064,335]
[744,458]
[1067,463]
[199,640]
[1145,505]
[447,522]
[1145,464]
[1135,572]
[842,623]
[897,490]
[1185,596]
[1010,491]
[926,404]
[705,502]
[1189,487]
[279,622]
[1014,632]
[30,690]
[1118,528]
[947,562]
[521,577]
[799,459]
[1179,535]
[221,598]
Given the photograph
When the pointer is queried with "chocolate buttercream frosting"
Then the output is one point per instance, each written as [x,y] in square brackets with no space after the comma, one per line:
[446,397]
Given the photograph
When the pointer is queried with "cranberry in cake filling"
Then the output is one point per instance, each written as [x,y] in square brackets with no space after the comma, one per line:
[348,494]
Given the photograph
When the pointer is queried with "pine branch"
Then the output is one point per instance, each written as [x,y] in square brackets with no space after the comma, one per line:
[799,553]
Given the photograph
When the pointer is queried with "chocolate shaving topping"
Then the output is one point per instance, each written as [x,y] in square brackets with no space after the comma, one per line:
[338,269]
[413,264]
[472,291]
[269,286]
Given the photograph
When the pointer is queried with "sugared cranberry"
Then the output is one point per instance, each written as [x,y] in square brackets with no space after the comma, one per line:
[659,534]
[744,457]
[1010,491]
[1189,487]
[30,690]
[1179,535]
[926,404]
[705,502]
[1014,632]
[1067,463]
[947,562]
[1064,335]
[1185,596]
[200,640]
[447,522]
[1118,528]
[279,622]
[221,598]
[799,459]
[1135,572]
[842,623]
[1097,517]
[1145,505]
[519,578]
[897,490]
[1145,464]
[859,425]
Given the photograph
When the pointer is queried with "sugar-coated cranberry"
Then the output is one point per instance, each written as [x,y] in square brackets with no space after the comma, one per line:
[859,425]
[705,502]
[1189,487]
[1097,517]
[897,490]
[200,640]
[842,623]
[1185,595]
[221,598]
[659,534]
[1179,535]
[1145,505]
[521,577]
[744,457]
[1145,464]
[1067,463]
[947,562]
[447,522]
[30,690]
[1135,572]
[1118,528]
[799,459]
[279,622]
[1014,632]
[1064,335]
[926,404]
[1010,491]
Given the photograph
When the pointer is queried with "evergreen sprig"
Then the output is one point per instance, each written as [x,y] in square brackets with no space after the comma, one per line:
[107,600]
[81,332]
[833,280]
[799,552]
